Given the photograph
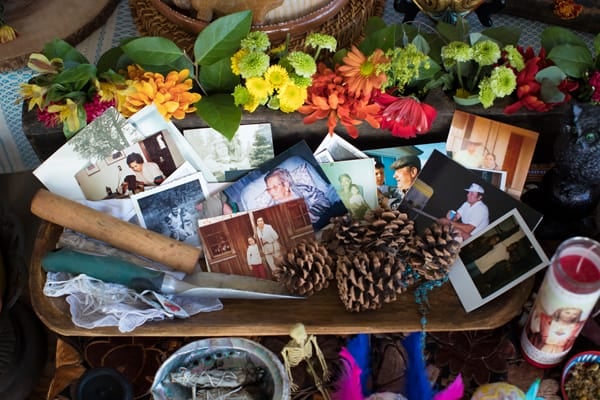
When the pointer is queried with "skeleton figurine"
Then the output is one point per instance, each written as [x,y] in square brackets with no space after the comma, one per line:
[301,349]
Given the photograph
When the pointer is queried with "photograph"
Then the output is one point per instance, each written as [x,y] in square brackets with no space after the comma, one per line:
[253,243]
[502,256]
[170,209]
[446,191]
[141,166]
[478,142]
[228,160]
[495,177]
[396,168]
[354,183]
[292,174]
[335,148]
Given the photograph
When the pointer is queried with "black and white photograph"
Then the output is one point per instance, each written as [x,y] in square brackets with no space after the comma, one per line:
[353,180]
[170,209]
[228,160]
[292,174]
[139,167]
[446,191]
[501,257]
[479,142]
[253,243]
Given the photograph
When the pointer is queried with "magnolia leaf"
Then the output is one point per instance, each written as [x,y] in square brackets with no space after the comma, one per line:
[555,35]
[110,60]
[218,77]
[220,113]
[181,63]
[504,35]
[221,38]
[58,48]
[575,61]
[550,93]
[152,50]
[552,74]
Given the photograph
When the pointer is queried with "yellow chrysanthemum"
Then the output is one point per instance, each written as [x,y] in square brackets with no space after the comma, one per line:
[171,95]
[361,71]
[291,98]
[259,88]
[34,93]
[68,114]
[277,76]
[7,33]
[235,61]
[252,104]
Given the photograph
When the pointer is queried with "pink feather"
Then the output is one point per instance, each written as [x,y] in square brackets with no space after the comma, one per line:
[347,386]
[453,392]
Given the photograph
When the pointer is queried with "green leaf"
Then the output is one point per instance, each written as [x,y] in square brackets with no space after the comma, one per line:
[77,77]
[152,50]
[110,60]
[220,113]
[550,93]
[573,60]
[383,39]
[221,38]
[182,62]
[421,44]
[555,36]
[374,24]
[552,74]
[339,55]
[218,77]
[504,35]
[58,48]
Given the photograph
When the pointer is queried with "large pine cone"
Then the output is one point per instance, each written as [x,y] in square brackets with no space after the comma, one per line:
[381,230]
[367,280]
[306,269]
[433,253]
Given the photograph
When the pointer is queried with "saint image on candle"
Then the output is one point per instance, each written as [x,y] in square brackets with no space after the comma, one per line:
[556,332]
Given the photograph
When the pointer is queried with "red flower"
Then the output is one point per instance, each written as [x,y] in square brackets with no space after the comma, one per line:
[329,98]
[405,117]
[96,107]
[529,90]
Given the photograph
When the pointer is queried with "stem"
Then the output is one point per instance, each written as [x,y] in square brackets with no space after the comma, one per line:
[460,79]
[474,81]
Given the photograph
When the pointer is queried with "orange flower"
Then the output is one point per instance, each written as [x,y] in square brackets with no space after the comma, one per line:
[361,72]
[328,98]
[171,95]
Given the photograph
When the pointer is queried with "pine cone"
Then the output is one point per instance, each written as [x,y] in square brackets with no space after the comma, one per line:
[346,235]
[306,269]
[389,231]
[433,253]
[367,280]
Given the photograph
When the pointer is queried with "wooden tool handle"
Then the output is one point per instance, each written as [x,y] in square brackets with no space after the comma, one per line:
[120,234]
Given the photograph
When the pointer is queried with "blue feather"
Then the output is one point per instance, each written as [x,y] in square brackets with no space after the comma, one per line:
[418,385]
[360,348]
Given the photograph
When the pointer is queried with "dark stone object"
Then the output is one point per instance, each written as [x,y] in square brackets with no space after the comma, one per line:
[103,384]
[484,11]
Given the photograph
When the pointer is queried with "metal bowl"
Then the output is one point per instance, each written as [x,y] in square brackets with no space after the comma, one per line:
[203,354]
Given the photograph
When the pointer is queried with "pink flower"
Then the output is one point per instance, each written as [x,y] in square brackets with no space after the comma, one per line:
[405,117]
[595,83]
[96,107]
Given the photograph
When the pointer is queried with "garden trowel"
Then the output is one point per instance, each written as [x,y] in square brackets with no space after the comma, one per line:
[198,284]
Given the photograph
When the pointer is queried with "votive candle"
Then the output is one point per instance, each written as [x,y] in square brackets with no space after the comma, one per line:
[565,300]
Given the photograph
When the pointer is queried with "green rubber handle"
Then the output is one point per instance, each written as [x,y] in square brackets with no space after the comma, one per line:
[106,268]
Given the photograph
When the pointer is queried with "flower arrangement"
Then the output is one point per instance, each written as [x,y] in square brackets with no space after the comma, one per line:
[383,80]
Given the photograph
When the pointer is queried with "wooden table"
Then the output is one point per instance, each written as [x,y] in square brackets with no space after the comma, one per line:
[321,314]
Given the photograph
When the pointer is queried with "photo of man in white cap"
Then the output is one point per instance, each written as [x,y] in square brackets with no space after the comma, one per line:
[472,216]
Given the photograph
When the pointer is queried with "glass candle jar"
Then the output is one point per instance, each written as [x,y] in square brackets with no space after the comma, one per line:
[566,298]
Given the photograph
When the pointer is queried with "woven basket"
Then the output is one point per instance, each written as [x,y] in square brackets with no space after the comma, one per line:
[343,19]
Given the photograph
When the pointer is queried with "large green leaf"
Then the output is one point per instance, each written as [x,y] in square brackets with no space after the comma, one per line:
[454,32]
[221,38]
[503,34]
[555,36]
[550,93]
[152,50]
[573,60]
[383,39]
[110,60]
[181,63]
[58,48]
[374,24]
[220,113]
[218,77]
[552,74]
